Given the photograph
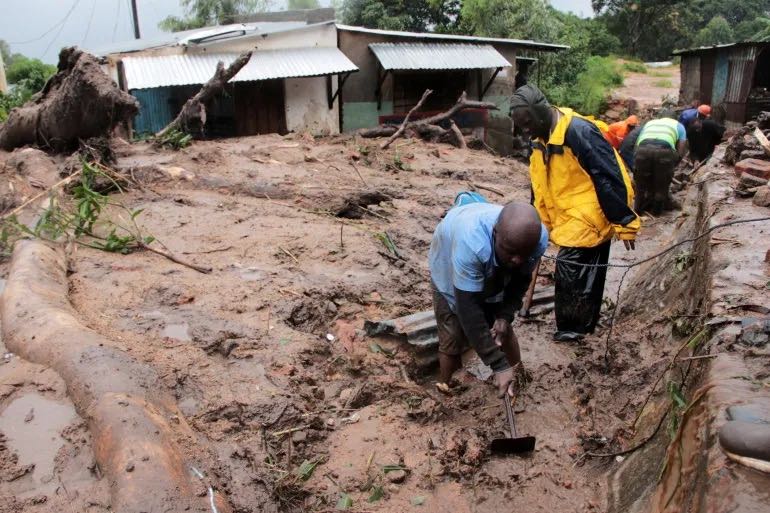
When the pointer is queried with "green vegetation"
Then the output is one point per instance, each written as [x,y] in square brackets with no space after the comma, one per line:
[660,74]
[26,77]
[716,32]
[303,4]
[665,83]
[588,93]
[635,67]
[203,13]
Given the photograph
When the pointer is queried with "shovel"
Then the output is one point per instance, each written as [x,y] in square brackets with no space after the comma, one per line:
[515,445]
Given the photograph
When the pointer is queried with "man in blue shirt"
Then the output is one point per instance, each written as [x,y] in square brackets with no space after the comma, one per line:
[481,261]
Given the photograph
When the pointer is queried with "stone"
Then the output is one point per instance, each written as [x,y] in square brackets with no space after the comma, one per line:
[762,196]
[753,154]
[299,436]
[757,333]
[754,167]
[397,476]
[748,181]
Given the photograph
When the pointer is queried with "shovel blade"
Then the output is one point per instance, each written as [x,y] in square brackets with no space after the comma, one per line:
[513,445]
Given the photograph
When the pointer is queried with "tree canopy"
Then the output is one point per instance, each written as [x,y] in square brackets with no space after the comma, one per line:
[409,15]
[304,4]
[204,13]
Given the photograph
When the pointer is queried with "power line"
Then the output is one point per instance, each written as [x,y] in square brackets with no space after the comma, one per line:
[117,18]
[58,24]
[61,27]
[88,27]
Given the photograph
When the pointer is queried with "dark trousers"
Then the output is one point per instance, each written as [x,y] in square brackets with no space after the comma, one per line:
[579,289]
[653,170]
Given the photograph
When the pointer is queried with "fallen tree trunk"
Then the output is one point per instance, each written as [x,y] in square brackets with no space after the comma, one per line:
[129,413]
[428,128]
[192,117]
[80,101]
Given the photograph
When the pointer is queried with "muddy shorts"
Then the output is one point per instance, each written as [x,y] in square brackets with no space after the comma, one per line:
[451,337]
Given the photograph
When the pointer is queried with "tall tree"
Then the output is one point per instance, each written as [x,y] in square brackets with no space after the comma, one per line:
[203,13]
[521,19]
[717,31]
[411,15]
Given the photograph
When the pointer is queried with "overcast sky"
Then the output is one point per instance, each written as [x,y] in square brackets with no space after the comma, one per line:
[40,28]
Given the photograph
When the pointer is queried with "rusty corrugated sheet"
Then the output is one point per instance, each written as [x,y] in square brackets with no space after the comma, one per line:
[742,60]
[690,78]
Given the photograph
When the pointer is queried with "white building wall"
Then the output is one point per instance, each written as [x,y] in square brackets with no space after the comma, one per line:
[3,83]
[307,107]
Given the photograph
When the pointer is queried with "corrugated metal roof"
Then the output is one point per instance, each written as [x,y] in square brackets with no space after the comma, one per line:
[401,56]
[535,45]
[175,70]
[203,35]
[717,47]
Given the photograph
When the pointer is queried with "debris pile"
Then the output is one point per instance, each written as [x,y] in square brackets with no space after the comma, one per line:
[749,152]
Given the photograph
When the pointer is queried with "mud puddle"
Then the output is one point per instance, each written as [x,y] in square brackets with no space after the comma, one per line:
[32,426]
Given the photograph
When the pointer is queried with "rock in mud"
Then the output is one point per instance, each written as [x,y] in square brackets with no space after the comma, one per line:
[762,196]
[397,476]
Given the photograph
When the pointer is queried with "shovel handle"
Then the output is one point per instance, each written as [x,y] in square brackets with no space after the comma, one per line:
[524,312]
[509,414]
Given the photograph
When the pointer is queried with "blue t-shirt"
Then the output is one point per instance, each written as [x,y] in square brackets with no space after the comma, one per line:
[687,116]
[462,254]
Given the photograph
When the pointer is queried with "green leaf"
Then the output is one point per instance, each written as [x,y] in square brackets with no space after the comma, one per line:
[418,500]
[345,502]
[376,493]
[305,471]
[676,395]
[149,239]
[135,213]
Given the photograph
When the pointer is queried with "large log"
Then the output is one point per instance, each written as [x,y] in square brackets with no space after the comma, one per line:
[80,101]
[141,440]
[192,117]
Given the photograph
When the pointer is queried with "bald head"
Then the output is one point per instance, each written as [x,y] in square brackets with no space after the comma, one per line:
[517,234]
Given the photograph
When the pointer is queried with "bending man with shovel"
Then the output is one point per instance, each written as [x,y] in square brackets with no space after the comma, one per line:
[481,261]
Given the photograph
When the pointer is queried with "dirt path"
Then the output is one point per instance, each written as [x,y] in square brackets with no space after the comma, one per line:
[267,359]
[650,88]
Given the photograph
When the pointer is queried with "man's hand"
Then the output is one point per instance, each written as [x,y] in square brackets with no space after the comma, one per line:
[629,244]
[505,381]
[501,332]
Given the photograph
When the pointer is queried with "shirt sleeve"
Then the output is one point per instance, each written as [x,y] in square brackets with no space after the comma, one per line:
[681,132]
[598,159]
[468,270]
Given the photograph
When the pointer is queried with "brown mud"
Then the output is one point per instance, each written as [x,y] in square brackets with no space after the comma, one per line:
[266,358]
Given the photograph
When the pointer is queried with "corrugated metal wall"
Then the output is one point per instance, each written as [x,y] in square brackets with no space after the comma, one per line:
[690,74]
[742,61]
[155,109]
[721,70]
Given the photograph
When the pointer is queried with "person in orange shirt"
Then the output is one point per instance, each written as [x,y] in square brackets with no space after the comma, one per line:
[618,131]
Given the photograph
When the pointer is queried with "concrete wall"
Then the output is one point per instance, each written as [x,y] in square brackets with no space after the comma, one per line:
[307,107]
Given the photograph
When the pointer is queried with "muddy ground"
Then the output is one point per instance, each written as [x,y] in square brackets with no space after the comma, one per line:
[267,359]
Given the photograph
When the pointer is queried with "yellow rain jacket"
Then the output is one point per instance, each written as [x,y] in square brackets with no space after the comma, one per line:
[581,187]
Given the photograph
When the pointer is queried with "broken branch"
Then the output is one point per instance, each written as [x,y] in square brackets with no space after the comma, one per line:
[174,258]
[406,120]
[194,110]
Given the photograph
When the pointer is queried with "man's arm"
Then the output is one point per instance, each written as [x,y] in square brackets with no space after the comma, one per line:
[598,159]
[470,311]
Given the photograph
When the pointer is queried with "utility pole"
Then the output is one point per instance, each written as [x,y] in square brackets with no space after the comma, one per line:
[136,19]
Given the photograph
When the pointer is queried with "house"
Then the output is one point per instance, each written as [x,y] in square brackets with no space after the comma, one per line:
[397,67]
[289,84]
[3,83]
[733,78]
[319,76]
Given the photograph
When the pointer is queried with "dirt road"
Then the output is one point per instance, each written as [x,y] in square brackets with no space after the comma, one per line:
[267,360]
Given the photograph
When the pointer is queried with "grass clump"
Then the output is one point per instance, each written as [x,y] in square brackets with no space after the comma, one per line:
[663,83]
[634,67]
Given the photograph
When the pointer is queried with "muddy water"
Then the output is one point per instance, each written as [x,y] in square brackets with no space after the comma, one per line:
[32,425]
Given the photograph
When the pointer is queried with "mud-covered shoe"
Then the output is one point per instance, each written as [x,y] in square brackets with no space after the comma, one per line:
[747,443]
[568,336]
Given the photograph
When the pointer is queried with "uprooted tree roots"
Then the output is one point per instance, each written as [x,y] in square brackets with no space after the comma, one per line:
[80,101]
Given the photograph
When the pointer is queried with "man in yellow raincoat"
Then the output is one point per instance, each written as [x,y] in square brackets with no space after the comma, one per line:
[583,193]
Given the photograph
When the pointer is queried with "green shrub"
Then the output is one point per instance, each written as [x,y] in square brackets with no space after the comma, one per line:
[660,74]
[663,83]
[634,67]
[589,92]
